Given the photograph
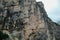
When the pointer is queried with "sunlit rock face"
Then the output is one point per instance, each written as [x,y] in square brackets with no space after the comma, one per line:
[27,20]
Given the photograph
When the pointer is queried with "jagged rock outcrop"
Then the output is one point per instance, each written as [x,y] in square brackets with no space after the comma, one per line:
[27,20]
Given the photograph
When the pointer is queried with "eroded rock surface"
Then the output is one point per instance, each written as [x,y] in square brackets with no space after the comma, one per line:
[27,20]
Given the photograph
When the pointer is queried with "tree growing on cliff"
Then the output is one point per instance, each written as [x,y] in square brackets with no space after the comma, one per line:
[3,36]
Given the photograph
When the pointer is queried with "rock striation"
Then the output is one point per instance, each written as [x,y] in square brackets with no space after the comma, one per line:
[27,20]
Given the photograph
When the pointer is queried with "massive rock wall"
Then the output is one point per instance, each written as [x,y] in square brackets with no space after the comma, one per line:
[27,20]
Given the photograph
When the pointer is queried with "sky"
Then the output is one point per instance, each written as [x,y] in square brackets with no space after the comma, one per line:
[52,8]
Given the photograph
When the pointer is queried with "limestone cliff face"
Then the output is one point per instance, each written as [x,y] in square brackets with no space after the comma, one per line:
[27,20]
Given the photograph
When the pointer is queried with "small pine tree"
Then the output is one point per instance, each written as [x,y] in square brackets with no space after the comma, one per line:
[3,36]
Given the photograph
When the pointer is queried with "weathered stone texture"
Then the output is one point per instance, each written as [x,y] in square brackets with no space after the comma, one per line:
[27,20]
